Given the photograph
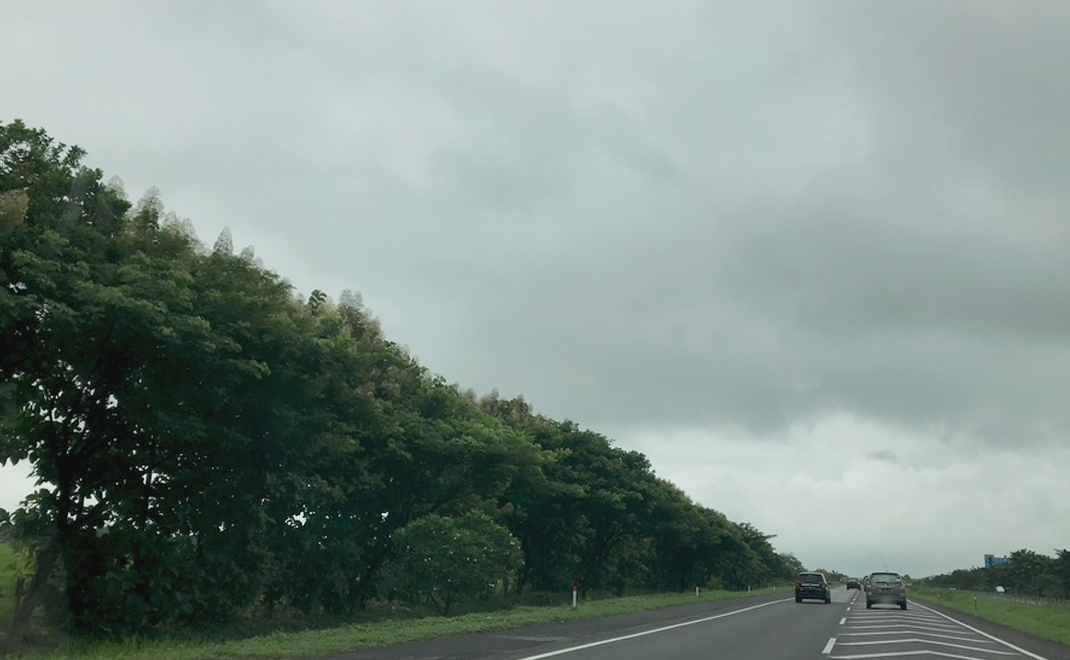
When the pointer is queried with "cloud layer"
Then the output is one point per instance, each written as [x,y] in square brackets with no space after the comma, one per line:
[689,227]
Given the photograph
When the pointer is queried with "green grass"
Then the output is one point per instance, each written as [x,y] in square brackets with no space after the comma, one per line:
[384,633]
[1051,622]
[12,566]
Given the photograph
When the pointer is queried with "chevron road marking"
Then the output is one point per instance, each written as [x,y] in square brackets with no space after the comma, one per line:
[916,640]
[937,635]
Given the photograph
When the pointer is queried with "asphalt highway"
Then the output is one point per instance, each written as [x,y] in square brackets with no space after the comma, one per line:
[775,628]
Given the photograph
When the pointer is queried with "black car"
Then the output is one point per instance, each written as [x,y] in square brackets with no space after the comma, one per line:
[812,586]
[887,588]
[853,583]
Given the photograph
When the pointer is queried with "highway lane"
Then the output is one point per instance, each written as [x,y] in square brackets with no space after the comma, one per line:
[755,629]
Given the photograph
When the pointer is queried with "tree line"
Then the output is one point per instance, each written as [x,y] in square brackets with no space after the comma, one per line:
[1026,573]
[210,445]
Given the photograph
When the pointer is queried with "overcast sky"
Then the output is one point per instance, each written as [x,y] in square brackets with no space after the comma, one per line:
[812,259]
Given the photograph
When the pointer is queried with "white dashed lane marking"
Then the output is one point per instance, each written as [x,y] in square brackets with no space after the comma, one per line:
[828,647]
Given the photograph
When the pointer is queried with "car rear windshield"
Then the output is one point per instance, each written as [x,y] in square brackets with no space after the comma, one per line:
[811,577]
[885,577]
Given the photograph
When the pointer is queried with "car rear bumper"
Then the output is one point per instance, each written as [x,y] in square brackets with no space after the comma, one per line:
[886,598]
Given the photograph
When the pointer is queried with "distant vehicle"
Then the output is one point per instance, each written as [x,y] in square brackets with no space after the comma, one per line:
[853,583]
[865,583]
[812,586]
[886,588]
[1000,590]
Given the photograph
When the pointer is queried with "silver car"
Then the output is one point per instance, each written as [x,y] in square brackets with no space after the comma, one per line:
[886,588]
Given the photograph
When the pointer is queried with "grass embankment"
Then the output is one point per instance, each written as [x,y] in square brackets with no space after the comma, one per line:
[1051,622]
[383,633]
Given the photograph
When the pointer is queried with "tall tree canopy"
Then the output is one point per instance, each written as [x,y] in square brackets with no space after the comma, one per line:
[207,443]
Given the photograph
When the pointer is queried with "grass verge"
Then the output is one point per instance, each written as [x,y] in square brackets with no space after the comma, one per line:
[1051,622]
[12,567]
[384,633]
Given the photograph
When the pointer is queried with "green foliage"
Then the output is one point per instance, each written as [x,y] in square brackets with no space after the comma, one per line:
[443,560]
[134,356]
[1061,571]
[209,446]
[1031,572]
[14,205]
[14,568]
[598,517]
[1028,573]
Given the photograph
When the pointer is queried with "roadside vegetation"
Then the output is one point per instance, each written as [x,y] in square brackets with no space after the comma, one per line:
[1051,622]
[1026,573]
[354,637]
[12,568]
[217,451]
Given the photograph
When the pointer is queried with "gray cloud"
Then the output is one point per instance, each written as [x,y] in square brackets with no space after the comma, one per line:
[884,455]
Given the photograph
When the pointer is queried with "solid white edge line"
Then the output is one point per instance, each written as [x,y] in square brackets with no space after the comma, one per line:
[981,632]
[570,649]
[828,647]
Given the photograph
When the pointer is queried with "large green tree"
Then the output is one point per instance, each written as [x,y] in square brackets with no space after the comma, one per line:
[1061,570]
[443,560]
[160,394]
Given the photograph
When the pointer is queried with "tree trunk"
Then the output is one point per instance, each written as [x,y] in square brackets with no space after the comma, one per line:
[371,570]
